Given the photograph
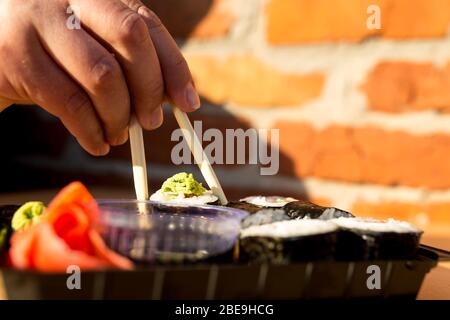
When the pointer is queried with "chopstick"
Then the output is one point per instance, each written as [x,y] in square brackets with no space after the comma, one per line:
[199,155]
[139,163]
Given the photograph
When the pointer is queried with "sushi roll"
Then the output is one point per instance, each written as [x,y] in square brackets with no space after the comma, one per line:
[269,201]
[184,189]
[264,216]
[253,204]
[369,239]
[289,241]
[250,208]
[306,209]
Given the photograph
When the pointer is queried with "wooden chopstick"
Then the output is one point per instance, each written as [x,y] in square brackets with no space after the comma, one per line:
[199,155]
[139,163]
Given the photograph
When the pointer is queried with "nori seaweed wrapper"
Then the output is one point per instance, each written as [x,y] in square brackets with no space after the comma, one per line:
[356,244]
[250,208]
[289,241]
[264,216]
[306,209]
[287,250]
[372,246]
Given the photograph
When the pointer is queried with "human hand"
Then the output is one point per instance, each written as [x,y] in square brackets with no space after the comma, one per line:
[121,61]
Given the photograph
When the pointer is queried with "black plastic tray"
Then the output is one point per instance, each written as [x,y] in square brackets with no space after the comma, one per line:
[310,280]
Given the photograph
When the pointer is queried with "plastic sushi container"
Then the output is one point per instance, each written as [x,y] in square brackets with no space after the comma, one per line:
[401,279]
[186,252]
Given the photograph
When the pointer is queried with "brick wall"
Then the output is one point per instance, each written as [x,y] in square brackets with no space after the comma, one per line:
[363,114]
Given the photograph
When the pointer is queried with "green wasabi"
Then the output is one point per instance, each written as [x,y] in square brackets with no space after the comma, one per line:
[183,183]
[27,215]
[4,237]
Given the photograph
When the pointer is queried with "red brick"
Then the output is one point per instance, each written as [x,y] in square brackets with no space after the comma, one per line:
[397,86]
[422,214]
[367,155]
[299,21]
[417,19]
[200,19]
[247,81]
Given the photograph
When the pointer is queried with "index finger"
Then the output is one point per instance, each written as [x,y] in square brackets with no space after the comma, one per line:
[125,32]
[178,81]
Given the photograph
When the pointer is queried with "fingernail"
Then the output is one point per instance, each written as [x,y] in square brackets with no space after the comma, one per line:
[192,98]
[156,118]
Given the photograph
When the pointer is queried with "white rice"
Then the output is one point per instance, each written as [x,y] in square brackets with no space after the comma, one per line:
[369,224]
[271,201]
[205,198]
[289,229]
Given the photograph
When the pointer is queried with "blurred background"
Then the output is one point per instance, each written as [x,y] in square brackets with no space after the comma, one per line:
[363,112]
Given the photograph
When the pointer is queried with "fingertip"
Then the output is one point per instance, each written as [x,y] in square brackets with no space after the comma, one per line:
[96,151]
[192,98]
[102,150]
[156,118]
[187,99]
[121,139]
[151,120]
